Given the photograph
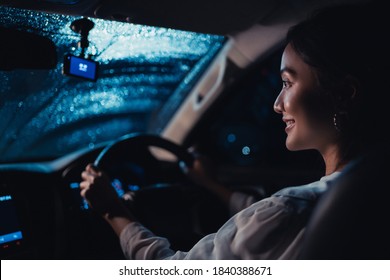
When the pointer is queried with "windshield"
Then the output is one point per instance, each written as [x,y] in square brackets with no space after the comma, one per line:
[45,114]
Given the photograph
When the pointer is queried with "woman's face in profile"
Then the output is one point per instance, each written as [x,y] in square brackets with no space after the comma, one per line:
[307,112]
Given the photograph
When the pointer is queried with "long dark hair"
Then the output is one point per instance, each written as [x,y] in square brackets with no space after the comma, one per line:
[347,43]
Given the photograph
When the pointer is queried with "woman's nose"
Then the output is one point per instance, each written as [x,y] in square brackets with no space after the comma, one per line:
[278,104]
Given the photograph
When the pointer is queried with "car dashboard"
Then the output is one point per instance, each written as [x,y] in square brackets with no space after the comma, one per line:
[44,217]
[35,199]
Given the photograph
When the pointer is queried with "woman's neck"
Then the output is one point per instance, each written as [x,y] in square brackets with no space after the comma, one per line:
[333,160]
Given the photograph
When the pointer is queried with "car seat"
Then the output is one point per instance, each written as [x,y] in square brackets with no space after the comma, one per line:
[351,220]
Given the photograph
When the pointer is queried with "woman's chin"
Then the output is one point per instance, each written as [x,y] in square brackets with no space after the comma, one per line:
[291,146]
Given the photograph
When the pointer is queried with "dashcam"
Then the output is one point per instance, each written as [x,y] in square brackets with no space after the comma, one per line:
[80,67]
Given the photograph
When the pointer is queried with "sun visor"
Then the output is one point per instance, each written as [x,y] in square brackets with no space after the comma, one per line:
[25,50]
[204,16]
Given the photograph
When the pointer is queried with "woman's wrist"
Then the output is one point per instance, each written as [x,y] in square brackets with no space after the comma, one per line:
[118,216]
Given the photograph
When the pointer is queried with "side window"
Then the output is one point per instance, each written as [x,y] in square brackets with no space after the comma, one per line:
[246,138]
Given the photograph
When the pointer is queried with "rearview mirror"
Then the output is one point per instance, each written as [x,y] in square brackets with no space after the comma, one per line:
[24,50]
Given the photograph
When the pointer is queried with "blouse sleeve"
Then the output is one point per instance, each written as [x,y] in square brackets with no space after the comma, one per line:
[239,201]
[268,229]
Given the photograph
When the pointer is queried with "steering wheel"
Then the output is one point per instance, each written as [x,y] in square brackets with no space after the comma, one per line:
[131,154]
[163,203]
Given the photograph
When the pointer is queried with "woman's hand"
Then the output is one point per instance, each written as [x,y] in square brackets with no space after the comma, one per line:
[97,190]
[201,174]
[201,171]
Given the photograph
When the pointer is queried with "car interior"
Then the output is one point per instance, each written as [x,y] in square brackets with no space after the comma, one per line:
[208,83]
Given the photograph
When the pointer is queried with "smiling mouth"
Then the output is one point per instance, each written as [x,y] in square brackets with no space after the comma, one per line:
[289,124]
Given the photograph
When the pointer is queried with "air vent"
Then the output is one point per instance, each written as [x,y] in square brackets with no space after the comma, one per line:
[64,2]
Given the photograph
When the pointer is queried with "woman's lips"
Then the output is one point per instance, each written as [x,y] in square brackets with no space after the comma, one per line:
[289,124]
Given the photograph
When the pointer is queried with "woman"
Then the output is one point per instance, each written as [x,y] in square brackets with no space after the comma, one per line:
[328,76]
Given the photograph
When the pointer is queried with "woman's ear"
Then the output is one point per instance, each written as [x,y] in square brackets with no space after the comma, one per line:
[352,87]
[347,92]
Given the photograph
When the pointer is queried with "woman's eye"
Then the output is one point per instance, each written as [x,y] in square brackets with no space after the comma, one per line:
[285,84]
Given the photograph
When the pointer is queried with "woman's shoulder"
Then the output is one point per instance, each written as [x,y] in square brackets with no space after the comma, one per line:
[310,191]
[288,201]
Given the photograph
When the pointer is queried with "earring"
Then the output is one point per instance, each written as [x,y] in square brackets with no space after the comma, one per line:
[339,120]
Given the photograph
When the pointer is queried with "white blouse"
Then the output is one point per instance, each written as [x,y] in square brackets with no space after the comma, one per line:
[271,228]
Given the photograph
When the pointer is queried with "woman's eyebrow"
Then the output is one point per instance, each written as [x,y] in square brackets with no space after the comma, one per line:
[287,70]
